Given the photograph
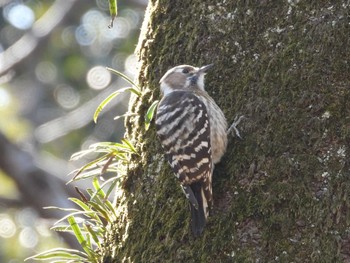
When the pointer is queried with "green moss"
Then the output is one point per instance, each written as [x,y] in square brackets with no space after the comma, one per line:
[281,193]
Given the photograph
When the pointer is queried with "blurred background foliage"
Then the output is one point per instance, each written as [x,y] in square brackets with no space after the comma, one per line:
[53,56]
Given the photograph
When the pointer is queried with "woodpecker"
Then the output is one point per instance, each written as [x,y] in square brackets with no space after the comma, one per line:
[192,130]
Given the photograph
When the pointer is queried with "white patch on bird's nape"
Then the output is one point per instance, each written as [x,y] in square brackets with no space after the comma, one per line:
[200,81]
[165,88]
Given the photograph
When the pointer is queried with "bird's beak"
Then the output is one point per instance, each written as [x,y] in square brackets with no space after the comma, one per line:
[205,68]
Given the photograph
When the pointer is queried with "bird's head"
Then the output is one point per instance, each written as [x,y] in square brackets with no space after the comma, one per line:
[183,77]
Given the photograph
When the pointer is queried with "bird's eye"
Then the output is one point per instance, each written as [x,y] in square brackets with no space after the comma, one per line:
[185,70]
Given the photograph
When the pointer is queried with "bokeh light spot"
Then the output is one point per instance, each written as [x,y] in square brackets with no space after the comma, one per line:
[68,36]
[120,29]
[19,15]
[102,4]
[26,217]
[93,18]
[67,96]
[98,77]
[5,98]
[43,229]
[7,227]
[46,72]
[28,237]
[131,64]
[118,61]
[132,16]
[88,141]
[85,35]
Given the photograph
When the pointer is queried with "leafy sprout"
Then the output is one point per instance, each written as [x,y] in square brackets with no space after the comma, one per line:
[97,211]
[88,222]
[150,113]
[134,89]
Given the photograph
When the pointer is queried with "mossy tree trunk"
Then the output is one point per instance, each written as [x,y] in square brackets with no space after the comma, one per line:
[282,193]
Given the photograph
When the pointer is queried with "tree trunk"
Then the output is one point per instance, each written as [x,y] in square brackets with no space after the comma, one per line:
[282,193]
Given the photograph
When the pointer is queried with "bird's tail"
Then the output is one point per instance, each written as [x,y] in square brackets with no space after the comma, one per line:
[200,199]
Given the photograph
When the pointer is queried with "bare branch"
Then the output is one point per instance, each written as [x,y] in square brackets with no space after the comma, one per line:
[77,118]
[29,41]
[37,187]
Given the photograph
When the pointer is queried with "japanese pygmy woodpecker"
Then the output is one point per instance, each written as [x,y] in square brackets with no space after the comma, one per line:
[192,131]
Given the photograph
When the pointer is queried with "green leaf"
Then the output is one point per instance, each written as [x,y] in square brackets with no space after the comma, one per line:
[98,189]
[150,113]
[62,209]
[125,115]
[94,162]
[93,234]
[114,181]
[87,174]
[113,11]
[104,103]
[61,228]
[90,213]
[104,203]
[78,155]
[101,210]
[80,203]
[85,213]
[129,145]
[117,148]
[136,89]
[60,254]
[79,235]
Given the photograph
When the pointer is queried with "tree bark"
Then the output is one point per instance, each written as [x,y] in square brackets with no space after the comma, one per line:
[281,193]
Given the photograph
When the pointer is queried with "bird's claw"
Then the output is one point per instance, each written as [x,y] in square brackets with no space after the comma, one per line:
[233,126]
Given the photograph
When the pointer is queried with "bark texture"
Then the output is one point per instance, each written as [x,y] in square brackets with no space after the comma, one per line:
[282,193]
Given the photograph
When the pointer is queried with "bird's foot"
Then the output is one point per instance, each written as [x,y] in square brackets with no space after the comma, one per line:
[234,125]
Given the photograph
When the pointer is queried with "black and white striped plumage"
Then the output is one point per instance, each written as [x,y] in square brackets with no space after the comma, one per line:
[192,130]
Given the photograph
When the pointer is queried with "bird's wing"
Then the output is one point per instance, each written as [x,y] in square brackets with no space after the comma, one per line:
[183,127]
